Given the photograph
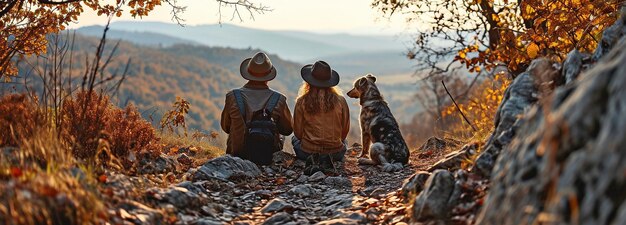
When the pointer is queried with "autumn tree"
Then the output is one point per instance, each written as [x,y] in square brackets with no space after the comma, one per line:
[25,23]
[485,33]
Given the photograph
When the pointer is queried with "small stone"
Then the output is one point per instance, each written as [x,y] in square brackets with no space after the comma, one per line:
[340,221]
[265,194]
[205,221]
[275,205]
[373,191]
[180,197]
[291,173]
[303,190]
[318,176]
[244,222]
[303,178]
[278,218]
[162,164]
[209,211]
[184,159]
[357,216]
[338,182]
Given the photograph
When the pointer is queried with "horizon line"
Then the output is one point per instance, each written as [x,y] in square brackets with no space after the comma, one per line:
[329,32]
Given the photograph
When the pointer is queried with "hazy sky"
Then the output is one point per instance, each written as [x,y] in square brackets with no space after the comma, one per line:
[350,16]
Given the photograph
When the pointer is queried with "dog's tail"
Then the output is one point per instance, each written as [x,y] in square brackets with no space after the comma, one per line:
[375,150]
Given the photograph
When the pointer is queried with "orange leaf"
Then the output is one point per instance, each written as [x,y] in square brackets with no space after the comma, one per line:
[16,172]
[102,178]
[532,50]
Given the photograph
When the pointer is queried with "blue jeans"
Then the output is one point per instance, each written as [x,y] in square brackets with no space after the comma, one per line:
[302,155]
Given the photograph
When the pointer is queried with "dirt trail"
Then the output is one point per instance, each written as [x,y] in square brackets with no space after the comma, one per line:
[276,194]
[360,194]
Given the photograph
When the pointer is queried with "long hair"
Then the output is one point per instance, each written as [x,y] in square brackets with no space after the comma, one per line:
[317,99]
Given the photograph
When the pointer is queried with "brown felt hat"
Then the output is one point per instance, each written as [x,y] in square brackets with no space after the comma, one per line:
[258,68]
[320,74]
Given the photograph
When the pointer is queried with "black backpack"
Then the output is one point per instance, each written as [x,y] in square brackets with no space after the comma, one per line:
[261,134]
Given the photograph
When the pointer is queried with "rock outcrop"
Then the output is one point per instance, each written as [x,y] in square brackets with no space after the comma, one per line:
[226,167]
[518,97]
[566,163]
[432,202]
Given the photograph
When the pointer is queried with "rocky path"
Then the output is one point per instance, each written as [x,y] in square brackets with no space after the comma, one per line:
[228,190]
[284,195]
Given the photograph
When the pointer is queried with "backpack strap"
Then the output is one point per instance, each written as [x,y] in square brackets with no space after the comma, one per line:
[240,104]
[272,102]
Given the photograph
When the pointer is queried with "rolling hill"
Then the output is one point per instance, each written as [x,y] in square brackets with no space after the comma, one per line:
[141,38]
[203,75]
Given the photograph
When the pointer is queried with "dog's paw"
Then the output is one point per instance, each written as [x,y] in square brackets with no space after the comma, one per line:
[365,161]
[392,167]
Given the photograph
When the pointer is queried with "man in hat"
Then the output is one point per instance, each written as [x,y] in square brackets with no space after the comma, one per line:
[321,119]
[253,97]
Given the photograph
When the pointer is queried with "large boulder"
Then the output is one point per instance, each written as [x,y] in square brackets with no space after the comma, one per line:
[433,201]
[225,168]
[414,184]
[518,98]
[566,164]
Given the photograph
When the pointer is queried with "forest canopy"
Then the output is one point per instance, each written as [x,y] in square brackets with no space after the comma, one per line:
[487,33]
[27,22]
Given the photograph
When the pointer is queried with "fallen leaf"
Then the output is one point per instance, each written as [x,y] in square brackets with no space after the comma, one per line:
[16,172]
[102,178]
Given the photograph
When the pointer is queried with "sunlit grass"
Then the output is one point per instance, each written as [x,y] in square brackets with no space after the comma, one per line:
[203,146]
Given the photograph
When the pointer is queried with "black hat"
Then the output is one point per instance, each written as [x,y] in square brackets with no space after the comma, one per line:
[320,75]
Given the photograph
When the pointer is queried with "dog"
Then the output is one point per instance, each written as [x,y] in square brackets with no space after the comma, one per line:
[380,133]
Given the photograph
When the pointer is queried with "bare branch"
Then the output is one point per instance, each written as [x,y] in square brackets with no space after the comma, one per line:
[57,3]
[176,11]
[250,7]
[457,106]
[8,7]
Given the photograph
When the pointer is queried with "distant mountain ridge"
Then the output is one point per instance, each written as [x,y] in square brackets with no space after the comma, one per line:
[350,55]
[140,38]
[294,45]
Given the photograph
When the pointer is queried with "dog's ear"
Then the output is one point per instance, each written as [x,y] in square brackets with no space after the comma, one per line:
[372,77]
[361,82]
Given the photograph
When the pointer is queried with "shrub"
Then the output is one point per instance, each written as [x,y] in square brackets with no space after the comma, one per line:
[128,131]
[19,116]
[85,122]
[91,118]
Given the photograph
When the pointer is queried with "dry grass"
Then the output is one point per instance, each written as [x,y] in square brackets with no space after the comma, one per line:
[202,146]
[40,183]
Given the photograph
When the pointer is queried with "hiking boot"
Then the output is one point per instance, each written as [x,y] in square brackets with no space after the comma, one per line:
[327,165]
[312,164]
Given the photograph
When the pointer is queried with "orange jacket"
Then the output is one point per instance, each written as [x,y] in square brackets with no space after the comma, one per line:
[323,132]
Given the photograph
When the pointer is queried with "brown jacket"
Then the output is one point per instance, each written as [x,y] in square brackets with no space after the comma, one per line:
[324,132]
[255,96]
